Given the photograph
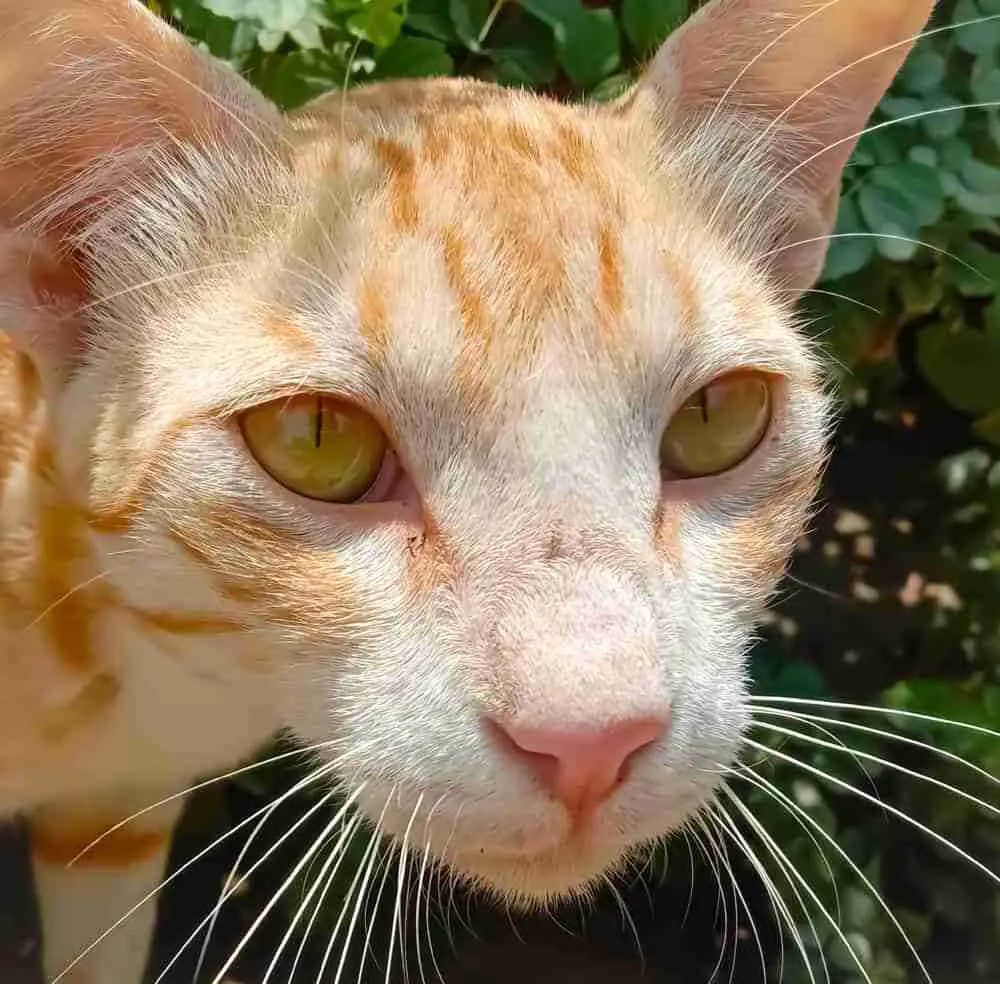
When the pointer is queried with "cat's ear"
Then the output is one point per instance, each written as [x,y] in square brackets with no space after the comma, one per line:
[94,95]
[764,100]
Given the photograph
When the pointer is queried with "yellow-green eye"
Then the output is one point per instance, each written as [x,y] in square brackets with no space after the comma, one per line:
[317,446]
[717,427]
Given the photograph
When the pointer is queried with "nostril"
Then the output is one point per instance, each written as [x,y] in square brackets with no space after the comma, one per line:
[579,766]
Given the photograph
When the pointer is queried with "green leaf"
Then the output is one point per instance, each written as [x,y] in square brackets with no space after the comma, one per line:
[963,366]
[924,69]
[378,22]
[431,17]
[589,47]
[612,87]
[523,52]
[920,294]
[848,255]
[975,38]
[554,13]
[647,23]
[414,58]
[469,18]
[984,81]
[890,215]
[918,184]
[973,270]
[946,115]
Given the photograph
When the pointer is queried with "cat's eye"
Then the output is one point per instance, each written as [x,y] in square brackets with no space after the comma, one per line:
[317,446]
[717,427]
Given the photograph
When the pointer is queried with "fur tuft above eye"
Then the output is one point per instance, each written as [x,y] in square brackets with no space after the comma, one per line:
[718,427]
[317,446]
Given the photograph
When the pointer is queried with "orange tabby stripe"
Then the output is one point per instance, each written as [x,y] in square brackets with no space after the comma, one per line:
[92,702]
[187,624]
[373,315]
[401,164]
[58,846]
[290,335]
[612,282]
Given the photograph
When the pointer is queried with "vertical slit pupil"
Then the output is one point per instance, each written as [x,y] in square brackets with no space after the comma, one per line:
[703,403]
[319,420]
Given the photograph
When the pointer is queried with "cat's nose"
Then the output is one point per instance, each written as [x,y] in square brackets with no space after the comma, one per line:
[581,768]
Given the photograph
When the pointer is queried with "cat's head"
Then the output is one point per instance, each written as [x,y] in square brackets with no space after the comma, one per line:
[486,418]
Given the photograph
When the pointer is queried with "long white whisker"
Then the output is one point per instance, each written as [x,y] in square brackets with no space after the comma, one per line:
[230,890]
[885,763]
[842,70]
[366,867]
[403,857]
[173,797]
[888,735]
[850,138]
[906,818]
[385,865]
[363,867]
[311,778]
[275,898]
[732,828]
[772,790]
[782,858]
[729,825]
[722,903]
[712,824]
[872,709]
[892,237]
[709,123]
[333,860]
[354,826]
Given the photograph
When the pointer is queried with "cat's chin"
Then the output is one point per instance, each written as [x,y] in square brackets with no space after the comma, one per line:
[530,881]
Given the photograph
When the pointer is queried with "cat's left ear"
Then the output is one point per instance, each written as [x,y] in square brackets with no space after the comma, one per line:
[97,97]
[760,103]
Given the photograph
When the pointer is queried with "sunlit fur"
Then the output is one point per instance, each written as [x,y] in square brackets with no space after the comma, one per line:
[522,292]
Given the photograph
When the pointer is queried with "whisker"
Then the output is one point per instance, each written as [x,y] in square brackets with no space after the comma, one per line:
[232,774]
[861,304]
[933,247]
[302,784]
[275,898]
[789,804]
[403,861]
[358,875]
[873,709]
[889,735]
[782,858]
[711,823]
[721,904]
[842,70]
[885,763]
[243,878]
[626,920]
[923,828]
[355,826]
[875,128]
[732,829]
[333,860]
[384,865]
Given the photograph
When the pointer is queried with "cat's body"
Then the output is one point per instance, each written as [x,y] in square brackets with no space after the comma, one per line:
[502,284]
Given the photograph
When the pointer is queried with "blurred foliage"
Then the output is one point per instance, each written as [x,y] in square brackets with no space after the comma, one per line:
[895,593]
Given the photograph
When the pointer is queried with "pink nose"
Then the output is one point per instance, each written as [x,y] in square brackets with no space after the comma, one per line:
[580,768]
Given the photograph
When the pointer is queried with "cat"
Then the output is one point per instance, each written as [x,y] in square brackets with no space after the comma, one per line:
[461,433]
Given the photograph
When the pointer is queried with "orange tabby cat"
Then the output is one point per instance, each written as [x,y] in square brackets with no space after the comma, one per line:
[458,431]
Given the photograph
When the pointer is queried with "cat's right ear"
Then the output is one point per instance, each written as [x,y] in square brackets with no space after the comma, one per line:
[759,104]
[93,95]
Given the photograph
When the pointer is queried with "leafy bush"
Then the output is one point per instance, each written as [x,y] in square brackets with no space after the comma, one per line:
[895,595]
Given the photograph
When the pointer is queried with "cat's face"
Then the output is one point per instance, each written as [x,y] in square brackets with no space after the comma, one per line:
[526,643]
